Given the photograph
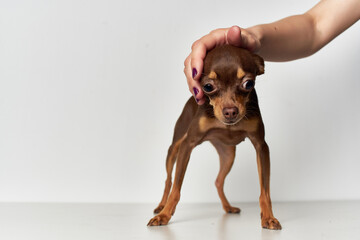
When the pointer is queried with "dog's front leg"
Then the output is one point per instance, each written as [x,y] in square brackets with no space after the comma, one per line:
[181,164]
[263,161]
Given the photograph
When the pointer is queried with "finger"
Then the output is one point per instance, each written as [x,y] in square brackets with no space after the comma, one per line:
[234,36]
[193,82]
[197,57]
[194,65]
[194,85]
[242,38]
[203,45]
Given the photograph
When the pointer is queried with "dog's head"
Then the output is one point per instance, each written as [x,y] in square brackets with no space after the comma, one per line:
[228,79]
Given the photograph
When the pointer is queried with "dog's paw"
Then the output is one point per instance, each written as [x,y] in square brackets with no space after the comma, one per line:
[230,209]
[158,209]
[158,220]
[271,223]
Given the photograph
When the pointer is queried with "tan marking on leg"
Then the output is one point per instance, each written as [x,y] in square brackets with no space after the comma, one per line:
[240,73]
[170,161]
[212,75]
[182,161]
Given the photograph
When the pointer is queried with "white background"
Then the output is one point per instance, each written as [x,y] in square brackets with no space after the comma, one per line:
[90,92]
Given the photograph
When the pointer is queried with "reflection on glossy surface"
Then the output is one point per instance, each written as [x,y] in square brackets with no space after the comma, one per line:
[58,221]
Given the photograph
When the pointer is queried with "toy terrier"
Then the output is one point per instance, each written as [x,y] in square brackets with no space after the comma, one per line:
[229,115]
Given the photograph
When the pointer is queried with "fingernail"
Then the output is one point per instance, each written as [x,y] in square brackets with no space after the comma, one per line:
[196,91]
[194,72]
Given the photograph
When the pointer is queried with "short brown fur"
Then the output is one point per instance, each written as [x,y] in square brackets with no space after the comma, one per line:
[229,115]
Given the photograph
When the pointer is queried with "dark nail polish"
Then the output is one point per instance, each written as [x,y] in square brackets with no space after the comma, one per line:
[197,100]
[196,91]
[194,72]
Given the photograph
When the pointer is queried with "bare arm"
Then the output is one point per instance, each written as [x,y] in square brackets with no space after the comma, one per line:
[302,35]
[287,39]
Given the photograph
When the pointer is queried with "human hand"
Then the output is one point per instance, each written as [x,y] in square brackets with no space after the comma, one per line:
[194,62]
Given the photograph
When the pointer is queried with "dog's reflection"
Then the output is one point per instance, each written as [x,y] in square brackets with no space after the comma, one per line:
[164,232]
[226,227]
[229,221]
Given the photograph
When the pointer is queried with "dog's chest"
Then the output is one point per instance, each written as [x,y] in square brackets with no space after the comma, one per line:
[225,136]
[213,129]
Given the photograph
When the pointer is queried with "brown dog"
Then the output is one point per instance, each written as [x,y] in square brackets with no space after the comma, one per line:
[229,115]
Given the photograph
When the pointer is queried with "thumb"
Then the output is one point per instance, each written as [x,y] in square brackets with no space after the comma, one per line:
[233,36]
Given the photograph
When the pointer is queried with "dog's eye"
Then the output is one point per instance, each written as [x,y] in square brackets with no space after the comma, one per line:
[208,88]
[248,85]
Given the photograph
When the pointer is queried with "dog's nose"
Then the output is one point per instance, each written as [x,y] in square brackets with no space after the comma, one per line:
[230,113]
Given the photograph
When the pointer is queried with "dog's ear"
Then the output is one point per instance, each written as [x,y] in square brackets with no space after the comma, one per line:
[259,61]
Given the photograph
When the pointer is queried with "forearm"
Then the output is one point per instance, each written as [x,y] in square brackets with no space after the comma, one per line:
[287,39]
[302,35]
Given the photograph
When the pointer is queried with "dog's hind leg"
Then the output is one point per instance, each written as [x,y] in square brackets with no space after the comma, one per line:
[227,156]
[181,128]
